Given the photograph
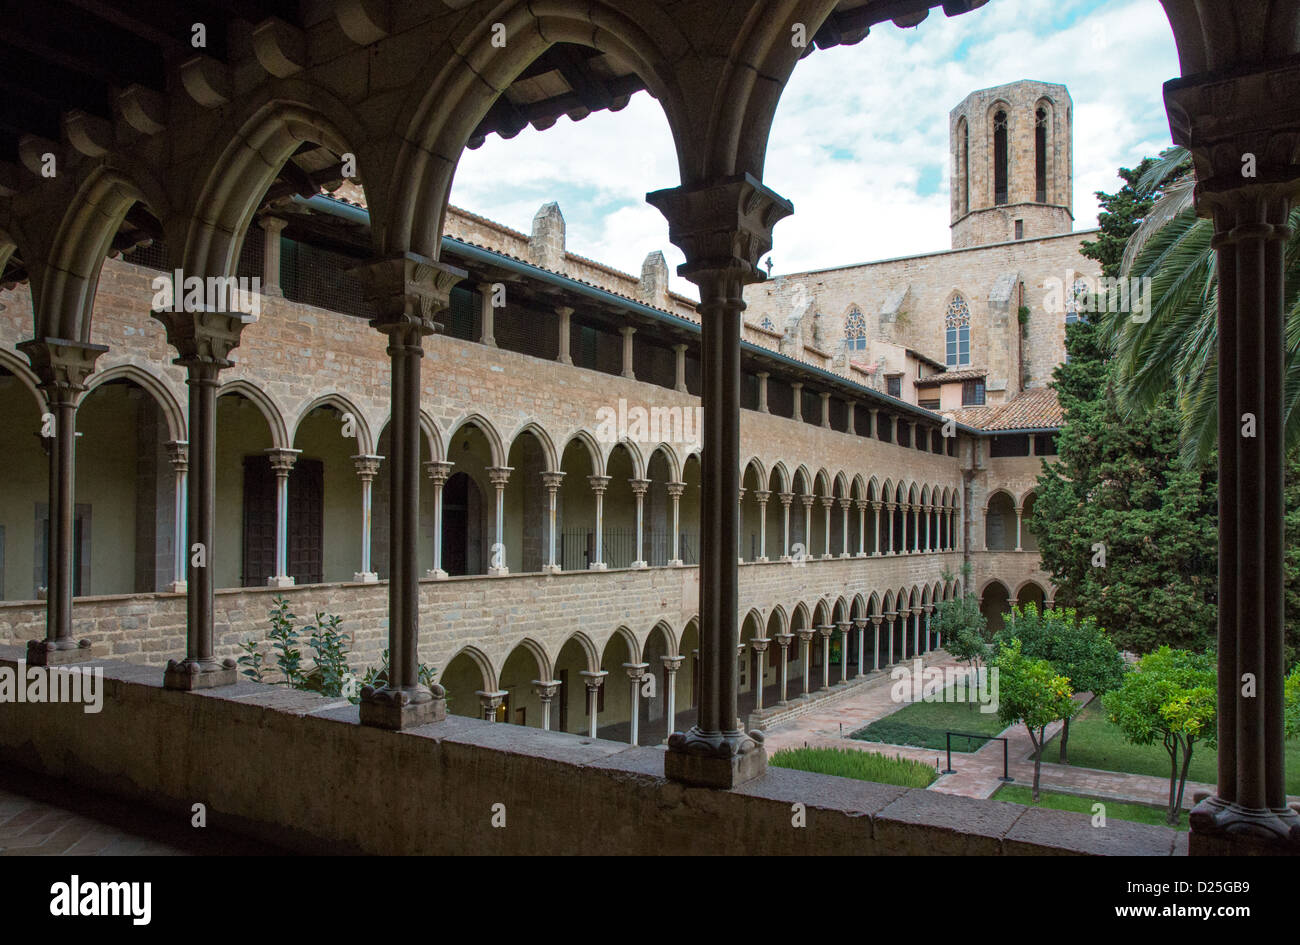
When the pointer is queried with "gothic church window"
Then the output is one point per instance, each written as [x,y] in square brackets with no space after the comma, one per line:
[957,323]
[1000,158]
[855,331]
[1040,155]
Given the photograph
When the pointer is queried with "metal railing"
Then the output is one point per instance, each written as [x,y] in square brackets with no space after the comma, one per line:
[947,737]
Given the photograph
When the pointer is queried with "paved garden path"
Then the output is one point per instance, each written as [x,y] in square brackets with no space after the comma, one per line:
[977,772]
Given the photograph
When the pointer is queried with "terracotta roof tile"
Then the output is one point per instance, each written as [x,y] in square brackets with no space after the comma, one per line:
[950,377]
[1033,409]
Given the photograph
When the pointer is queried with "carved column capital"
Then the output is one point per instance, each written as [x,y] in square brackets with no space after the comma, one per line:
[62,366]
[552,480]
[635,671]
[723,226]
[282,460]
[825,629]
[499,476]
[406,291]
[783,639]
[178,454]
[761,496]
[203,339]
[639,486]
[807,500]
[598,484]
[367,466]
[672,663]
[786,498]
[439,471]
[759,644]
[805,636]
[675,489]
[593,678]
[545,689]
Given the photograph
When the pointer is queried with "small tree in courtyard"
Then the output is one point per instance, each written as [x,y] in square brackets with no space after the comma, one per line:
[1032,692]
[1168,697]
[963,629]
[1076,647]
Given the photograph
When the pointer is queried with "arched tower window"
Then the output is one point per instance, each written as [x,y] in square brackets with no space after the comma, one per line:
[1040,155]
[1000,157]
[957,323]
[855,331]
[963,167]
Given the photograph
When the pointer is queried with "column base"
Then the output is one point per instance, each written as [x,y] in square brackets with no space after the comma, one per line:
[740,560]
[1222,829]
[178,587]
[676,563]
[827,557]
[552,569]
[279,580]
[365,577]
[785,558]
[716,759]
[498,572]
[845,554]
[763,559]
[639,565]
[190,674]
[598,566]
[58,653]
[862,554]
[398,709]
[435,574]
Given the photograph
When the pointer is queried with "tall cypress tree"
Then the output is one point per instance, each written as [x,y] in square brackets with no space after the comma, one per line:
[1127,531]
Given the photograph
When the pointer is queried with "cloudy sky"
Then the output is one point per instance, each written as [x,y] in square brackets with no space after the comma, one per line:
[860,141]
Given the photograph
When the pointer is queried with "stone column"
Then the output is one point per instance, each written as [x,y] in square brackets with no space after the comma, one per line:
[929,609]
[826,630]
[861,624]
[627,332]
[598,485]
[916,528]
[916,630]
[367,468]
[1245,144]
[635,674]
[844,650]
[827,503]
[272,227]
[826,409]
[889,628]
[740,527]
[786,498]
[796,388]
[783,640]
[439,471]
[889,535]
[405,292]
[487,315]
[1019,515]
[671,665]
[675,490]
[761,496]
[875,507]
[849,408]
[723,226]
[489,702]
[564,312]
[63,367]
[762,391]
[499,476]
[178,453]
[925,527]
[546,690]
[807,501]
[805,649]
[593,680]
[639,487]
[875,640]
[862,528]
[203,340]
[282,461]
[844,528]
[679,372]
[760,647]
[552,481]
[875,425]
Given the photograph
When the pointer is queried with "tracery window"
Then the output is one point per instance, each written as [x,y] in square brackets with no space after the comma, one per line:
[1000,158]
[855,331]
[957,323]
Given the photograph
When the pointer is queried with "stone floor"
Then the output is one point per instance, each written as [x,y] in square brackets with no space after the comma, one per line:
[42,817]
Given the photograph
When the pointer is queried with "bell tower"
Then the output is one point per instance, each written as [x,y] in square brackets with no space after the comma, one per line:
[1011,164]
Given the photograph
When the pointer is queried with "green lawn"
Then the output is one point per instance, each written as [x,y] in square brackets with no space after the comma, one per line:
[854,763]
[1115,810]
[1095,743]
[923,723]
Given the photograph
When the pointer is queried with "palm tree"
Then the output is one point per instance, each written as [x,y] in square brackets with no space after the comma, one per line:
[1176,348]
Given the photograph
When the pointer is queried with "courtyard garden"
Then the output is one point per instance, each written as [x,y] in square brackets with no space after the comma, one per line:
[922,724]
[1115,810]
[854,763]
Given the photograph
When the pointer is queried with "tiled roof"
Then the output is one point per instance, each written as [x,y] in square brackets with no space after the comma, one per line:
[951,377]
[1034,409]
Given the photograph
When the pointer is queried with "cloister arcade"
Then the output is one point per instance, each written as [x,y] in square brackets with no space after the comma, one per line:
[194,160]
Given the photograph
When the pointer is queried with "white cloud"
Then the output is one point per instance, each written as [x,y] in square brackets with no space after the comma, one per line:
[857,131]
